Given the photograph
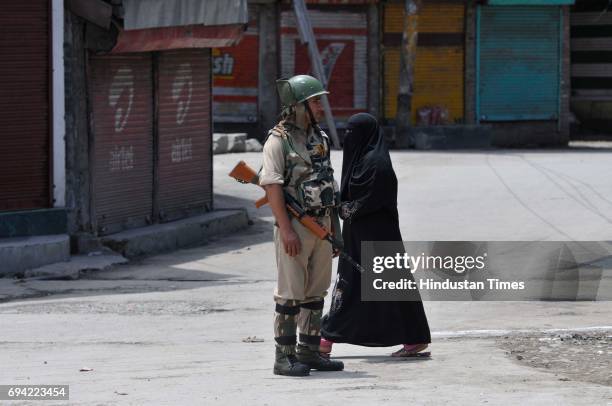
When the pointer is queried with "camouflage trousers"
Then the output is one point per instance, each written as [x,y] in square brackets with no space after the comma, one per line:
[302,284]
[293,314]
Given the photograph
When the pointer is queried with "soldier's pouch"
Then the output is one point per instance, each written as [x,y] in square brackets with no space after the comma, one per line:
[318,192]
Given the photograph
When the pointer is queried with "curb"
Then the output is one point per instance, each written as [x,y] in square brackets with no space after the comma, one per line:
[72,269]
[188,232]
[20,254]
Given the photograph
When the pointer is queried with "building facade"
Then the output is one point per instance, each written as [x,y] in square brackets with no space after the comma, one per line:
[497,67]
[347,34]
[106,120]
[147,154]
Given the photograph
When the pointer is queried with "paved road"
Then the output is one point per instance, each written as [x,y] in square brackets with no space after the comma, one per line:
[169,329]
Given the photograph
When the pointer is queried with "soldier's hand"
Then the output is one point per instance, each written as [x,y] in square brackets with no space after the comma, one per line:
[291,242]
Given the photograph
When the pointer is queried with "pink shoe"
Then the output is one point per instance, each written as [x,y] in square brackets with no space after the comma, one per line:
[411,350]
[325,347]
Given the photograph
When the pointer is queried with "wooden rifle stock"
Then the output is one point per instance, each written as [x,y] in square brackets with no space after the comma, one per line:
[262,201]
[245,174]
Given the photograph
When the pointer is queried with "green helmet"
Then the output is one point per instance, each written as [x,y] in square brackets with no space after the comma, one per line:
[298,89]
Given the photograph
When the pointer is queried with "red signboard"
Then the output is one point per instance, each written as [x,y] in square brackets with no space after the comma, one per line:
[342,41]
[338,57]
[235,77]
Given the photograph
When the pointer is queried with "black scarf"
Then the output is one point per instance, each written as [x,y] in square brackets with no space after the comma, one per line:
[368,178]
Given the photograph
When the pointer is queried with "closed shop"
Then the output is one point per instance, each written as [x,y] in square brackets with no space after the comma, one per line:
[518,63]
[235,77]
[135,120]
[122,110]
[25,111]
[185,161]
[342,40]
[139,111]
[439,65]
[591,47]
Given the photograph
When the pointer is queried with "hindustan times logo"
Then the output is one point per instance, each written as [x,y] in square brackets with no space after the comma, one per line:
[447,284]
[459,264]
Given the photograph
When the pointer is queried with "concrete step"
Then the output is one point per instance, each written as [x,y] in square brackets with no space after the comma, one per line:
[20,254]
[444,137]
[160,238]
[72,269]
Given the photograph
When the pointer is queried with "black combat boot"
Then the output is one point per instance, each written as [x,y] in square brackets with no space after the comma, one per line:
[288,365]
[314,360]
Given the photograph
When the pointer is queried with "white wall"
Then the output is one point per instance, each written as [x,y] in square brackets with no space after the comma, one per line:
[59,125]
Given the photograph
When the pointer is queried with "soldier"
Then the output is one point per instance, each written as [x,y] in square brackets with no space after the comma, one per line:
[297,161]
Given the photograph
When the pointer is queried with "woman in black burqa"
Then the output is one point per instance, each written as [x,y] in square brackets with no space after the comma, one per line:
[369,209]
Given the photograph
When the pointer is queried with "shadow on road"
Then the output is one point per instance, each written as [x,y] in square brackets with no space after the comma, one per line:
[221,260]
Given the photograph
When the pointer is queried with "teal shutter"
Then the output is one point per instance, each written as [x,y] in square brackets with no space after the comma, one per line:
[519,59]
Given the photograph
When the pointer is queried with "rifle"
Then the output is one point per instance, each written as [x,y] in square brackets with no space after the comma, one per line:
[245,174]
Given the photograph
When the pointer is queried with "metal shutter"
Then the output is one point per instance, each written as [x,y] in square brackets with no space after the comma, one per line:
[25,113]
[591,45]
[518,63]
[184,128]
[122,108]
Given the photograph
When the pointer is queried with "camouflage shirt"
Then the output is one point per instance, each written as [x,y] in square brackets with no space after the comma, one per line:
[300,162]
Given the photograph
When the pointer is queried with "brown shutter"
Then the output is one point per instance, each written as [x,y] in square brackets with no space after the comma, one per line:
[184,128]
[122,109]
[24,105]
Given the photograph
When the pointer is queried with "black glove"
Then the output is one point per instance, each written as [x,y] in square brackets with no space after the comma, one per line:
[348,209]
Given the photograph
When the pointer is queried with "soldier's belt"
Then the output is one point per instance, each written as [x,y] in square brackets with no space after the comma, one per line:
[320,212]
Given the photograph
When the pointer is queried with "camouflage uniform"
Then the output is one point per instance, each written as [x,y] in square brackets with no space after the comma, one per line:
[299,160]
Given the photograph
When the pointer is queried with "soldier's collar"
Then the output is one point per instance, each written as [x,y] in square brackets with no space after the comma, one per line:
[292,125]
[292,122]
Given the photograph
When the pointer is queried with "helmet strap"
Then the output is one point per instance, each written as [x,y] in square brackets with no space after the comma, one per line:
[314,123]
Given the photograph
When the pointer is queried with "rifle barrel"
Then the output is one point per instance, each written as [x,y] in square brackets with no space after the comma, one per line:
[351,261]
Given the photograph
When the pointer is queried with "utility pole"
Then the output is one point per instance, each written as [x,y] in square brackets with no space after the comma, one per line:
[403,117]
[307,37]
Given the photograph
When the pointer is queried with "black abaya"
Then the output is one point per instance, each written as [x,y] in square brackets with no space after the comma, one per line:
[369,195]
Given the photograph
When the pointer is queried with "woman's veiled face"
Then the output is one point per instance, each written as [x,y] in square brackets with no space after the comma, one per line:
[348,141]
[359,130]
